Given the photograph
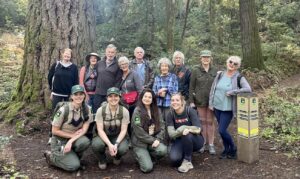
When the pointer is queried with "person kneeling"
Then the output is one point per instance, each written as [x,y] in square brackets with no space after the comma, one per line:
[147,131]
[68,128]
[184,129]
[112,122]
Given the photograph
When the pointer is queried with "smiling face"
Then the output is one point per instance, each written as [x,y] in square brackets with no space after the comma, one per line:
[124,66]
[139,54]
[164,69]
[66,55]
[205,60]
[78,97]
[147,99]
[93,60]
[113,99]
[232,65]
[176,102]
[110,53]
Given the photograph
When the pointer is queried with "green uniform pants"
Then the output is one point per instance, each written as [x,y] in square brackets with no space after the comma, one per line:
[143,156]
[99,147]
[71,160]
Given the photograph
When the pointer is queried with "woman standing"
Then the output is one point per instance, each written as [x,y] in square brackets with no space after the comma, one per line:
[147,131]
[88,77]
[164,86]
[62,76]
[222,100]
[69,127]
[131,85]
[200,84]
[112,122]
[182,72]
[184,129]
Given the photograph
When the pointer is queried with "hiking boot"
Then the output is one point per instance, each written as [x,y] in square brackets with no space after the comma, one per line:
[202,149]
[185,166]
[223,155]
[47,155]
[102,166]
[211,149]
[116,161]
[231,154]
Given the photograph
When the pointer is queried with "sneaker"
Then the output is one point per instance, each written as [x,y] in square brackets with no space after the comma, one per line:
[202,149]
[185,166]
[116,161]
[49,141]
[102,166]
[47,155]
[211,149]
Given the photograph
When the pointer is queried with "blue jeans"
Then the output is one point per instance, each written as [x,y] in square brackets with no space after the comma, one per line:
[183,148]
[224,118]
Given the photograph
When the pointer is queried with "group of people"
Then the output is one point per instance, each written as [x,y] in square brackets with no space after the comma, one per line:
[117,103]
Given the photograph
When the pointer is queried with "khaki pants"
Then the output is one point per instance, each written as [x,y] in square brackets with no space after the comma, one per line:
[99,147]
[143,156]
[71,160]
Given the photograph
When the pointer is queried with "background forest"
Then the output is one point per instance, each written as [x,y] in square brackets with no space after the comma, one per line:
[162,26]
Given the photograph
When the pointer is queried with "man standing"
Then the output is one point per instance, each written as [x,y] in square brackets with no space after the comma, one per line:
[142,67]
[109,75]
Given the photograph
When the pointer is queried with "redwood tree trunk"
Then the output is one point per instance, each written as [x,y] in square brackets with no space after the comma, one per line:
[251,48]
[53,25]
[170,20]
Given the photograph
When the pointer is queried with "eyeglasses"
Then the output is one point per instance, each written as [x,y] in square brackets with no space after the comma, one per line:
[231,62]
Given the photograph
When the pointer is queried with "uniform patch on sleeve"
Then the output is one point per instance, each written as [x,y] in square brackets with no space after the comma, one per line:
[137,120]
[58,113]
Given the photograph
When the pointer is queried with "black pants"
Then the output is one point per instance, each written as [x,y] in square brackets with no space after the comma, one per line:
[98,100]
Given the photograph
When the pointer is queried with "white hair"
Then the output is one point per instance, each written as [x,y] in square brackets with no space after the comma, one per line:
[164,61]
[123,59]
[139,48]
[235,59]
[180,54]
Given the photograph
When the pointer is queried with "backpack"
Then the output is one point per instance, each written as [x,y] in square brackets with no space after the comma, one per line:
[239,77]
[56,66]
[119,116]
[85,111]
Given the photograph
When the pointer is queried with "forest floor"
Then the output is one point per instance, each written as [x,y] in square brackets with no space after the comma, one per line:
[24,154]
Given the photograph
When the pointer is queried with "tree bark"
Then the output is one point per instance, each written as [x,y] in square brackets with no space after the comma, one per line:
[251,47]
[170,19]
[53,25]
[185,18]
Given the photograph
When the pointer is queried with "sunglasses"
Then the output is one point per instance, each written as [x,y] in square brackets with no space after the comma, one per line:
[231,62]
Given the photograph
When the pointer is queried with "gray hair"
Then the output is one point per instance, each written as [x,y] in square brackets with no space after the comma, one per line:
[180,54]
[123,59]
[139,48]
[111,46]
[164,61]
[235,59]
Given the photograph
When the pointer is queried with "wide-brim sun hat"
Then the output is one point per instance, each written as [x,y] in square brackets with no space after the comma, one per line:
[87,58]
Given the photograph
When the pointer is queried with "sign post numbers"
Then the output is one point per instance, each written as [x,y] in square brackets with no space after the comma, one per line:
[247,124]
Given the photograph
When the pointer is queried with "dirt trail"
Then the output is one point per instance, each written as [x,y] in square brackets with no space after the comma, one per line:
[25,152]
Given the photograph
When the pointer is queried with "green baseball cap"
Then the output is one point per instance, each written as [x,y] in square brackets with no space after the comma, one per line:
[113,90]
[205,53]
[76,89]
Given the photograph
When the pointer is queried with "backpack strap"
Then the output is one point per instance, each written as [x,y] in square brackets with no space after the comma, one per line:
[120,114]
[240,76]
[85,112]
[103,112]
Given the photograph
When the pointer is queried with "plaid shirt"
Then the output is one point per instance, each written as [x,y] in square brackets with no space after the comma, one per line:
[171,83]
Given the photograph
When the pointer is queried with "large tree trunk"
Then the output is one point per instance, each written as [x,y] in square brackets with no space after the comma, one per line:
[52,25]
[251,48]
[170,20]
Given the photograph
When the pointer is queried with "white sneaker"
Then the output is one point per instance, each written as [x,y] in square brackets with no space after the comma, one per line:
[211,149]
[102,166]
[185,166]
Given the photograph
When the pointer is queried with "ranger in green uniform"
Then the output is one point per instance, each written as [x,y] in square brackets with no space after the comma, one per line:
[147,131]
[112,122]
[68,128]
